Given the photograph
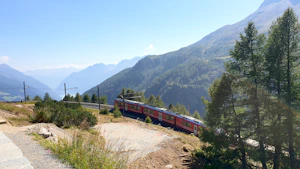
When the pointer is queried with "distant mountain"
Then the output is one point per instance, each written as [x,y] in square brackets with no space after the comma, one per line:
[93,75]
[11,85]
[184,75]
[51,77]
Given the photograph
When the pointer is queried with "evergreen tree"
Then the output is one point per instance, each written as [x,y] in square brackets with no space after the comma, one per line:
[226,111]
[86,98]
[103,99]
[151,100]
[94,98]
[171,107]
[159,102]
[283,76]
[248,60]
[47,97]
[28,98]
[37,98]
[78,97]
[196,115]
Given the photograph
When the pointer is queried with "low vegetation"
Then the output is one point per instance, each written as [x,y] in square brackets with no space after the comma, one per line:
[148,119]
[117,113]
[14,109]
[62,114]
[104,111]
[87,150]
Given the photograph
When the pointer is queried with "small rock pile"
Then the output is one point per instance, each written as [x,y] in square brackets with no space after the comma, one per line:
[46,133]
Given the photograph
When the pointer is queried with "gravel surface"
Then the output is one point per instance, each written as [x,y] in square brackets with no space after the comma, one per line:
[130,137]
[39,157]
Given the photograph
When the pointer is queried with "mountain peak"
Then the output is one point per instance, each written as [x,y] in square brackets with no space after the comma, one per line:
[269,2]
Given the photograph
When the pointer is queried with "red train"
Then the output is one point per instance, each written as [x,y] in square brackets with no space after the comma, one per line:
[164,116]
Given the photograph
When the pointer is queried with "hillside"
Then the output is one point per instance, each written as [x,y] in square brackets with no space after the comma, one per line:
[93,75]
[11,85]
[184,75]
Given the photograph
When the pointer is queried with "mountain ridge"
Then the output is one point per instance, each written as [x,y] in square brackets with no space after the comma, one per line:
[162,74]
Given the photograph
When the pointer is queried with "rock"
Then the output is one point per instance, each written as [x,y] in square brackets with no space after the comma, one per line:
[169,166]
[53,139]
[2,121]
[44,132]
[187,148]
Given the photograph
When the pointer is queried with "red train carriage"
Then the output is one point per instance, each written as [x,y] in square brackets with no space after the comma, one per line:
[152,112]
[189,124]
[130,105]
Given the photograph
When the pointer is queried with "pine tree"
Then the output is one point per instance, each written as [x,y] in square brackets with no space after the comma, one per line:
[78,97]
[47,97]
[196,115]
[28,98]
[282,70]
[37,98]
[151,100]
[86,98]
[94,98]
[103,99]
[248,55]
[159,102]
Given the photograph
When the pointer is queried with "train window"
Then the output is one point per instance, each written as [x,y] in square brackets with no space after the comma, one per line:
[151,112]
[186,124]
[169,117]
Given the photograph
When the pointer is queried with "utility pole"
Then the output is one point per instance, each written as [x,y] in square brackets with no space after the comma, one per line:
[65,92]
[99,97]
[24,91]
[123,101]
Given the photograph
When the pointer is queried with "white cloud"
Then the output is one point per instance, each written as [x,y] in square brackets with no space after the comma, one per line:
[66,66]
[150,50]
[4,59]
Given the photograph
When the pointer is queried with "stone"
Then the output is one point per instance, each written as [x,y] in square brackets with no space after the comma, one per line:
[44,132]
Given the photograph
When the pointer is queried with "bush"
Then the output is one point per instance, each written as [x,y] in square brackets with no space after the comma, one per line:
[117,113]
[105,111]
[62,114]
[148,119]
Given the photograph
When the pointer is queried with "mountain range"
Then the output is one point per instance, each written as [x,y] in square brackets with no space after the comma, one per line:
[12,88]
[93,75]
[185,75]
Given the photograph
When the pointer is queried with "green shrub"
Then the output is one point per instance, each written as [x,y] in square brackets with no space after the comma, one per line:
[117,113]
[62,114]
[105,111]
[148,119]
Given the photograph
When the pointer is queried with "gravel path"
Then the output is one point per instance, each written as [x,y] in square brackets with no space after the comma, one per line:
[39,157]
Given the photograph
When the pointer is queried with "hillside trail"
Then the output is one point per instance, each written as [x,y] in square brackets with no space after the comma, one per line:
[38,156]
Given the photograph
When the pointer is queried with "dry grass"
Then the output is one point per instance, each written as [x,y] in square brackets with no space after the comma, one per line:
[102,118]
[87,150]
[18,113]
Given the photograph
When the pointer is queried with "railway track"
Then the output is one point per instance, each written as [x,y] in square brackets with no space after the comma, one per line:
[93,105]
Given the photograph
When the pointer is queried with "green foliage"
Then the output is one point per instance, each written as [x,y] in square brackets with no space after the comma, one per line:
[103,99]
[171,107]
[241,105]
[47,97]
[94,98]
[104,111]
[196,115]
[148,119]
[151,100]
[37,98]
[28,98]
[86,98]
[117,113]
[86,151]
[78,97]
[61,114]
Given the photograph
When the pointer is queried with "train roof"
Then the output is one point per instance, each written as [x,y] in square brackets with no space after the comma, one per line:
[188,118]
[192,119]
[161,110]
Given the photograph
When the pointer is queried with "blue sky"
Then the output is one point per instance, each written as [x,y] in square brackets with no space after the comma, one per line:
[39,34]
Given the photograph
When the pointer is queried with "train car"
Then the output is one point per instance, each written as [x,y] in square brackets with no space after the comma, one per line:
[131,106]
[152,112]
[189,124]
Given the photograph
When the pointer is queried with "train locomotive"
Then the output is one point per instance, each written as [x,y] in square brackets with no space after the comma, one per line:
[162,115]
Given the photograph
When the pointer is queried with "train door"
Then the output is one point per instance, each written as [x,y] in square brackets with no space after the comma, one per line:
[195,129]
[126,107]
[160,116]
